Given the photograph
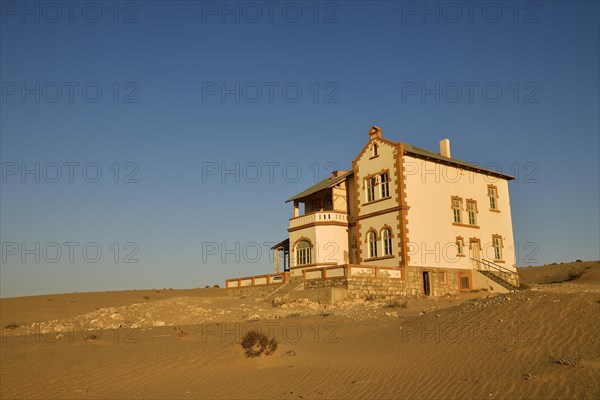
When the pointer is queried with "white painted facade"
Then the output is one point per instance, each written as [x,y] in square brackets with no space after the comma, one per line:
[413,203]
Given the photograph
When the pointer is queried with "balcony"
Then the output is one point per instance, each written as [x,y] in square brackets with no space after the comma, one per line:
[317,217]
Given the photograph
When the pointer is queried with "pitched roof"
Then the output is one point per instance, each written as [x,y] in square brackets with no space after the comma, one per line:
[418,151]
[326,183]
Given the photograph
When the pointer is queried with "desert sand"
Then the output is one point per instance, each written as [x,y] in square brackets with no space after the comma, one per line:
[542,342]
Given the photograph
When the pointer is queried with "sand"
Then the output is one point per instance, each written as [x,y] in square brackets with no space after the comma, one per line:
[538,343]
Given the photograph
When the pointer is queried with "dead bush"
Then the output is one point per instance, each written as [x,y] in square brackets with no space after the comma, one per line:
[255,343]
[180,332]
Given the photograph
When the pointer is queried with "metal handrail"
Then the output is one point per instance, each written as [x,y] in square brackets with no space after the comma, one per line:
[490,265]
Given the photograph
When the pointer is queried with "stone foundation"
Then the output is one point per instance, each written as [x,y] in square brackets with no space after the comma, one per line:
[252,291]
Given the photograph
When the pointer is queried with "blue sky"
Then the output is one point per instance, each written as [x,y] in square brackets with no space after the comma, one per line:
[128,114]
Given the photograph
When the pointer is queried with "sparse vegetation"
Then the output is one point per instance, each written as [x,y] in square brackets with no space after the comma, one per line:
[91,337]
[180,332]
[577,261]
[11,326]
[568,361]
[256,343]
[396,303]
[50,299]
[147,297]
[575,275]
[217,286]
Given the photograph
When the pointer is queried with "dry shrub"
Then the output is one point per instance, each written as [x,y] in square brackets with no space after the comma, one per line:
[396,303]
[180,332]
[92,337]
[568,361]
[575,275]
[255,343]
[11,326]
[147,297]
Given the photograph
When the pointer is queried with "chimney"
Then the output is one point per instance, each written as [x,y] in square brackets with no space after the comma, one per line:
[374,132]
[338,172]
[445,147]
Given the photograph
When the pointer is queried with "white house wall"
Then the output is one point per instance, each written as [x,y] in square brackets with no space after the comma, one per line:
[432,235]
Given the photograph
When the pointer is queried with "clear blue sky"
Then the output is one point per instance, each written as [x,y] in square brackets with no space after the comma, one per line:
[170,93]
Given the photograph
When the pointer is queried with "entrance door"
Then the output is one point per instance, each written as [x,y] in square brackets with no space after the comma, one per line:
[426,284]
[475,254]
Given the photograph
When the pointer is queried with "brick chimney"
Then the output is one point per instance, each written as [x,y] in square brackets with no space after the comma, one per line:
[374,132]
[445,147]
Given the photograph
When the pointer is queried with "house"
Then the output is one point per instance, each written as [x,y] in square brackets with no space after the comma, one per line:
[404,221]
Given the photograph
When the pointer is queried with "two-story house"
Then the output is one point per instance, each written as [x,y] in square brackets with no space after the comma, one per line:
[428,223]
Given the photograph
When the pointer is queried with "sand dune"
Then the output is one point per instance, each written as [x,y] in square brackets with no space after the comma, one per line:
[537,343]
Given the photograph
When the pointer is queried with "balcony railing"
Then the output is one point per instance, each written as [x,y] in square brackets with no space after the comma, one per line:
[319,216]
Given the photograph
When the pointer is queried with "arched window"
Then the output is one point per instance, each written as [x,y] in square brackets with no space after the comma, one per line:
[303,253]
[372,244]
[386,237]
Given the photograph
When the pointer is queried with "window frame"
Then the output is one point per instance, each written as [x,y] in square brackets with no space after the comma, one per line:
[445,277]
[471,214]
[372,243]
[493,197]
[303,253]
[460,246]
[497,245]
[370,190]
[386,242]
[456,211]
[385,185]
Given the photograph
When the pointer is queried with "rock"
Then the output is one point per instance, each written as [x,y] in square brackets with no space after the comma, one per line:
[159,323]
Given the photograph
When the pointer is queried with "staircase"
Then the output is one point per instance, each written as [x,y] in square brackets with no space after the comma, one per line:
[497,273]
[285,289]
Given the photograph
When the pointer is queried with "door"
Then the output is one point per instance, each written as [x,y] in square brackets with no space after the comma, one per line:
[426,284]
[475,254]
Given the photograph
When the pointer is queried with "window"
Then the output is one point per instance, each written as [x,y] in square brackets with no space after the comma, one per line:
[442,277]
[385,185]
[497,243]
[456,207]
[370,189]
[372,245]
[472,210]
[460,246]
[386,236]
[328,203]
[493,195]
[303,253]
[316,205]
[374,150]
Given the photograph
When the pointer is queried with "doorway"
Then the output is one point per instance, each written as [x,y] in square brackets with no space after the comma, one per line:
[426,284]
[475,254]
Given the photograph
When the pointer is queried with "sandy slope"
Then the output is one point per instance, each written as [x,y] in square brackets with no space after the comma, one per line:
[469,347]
